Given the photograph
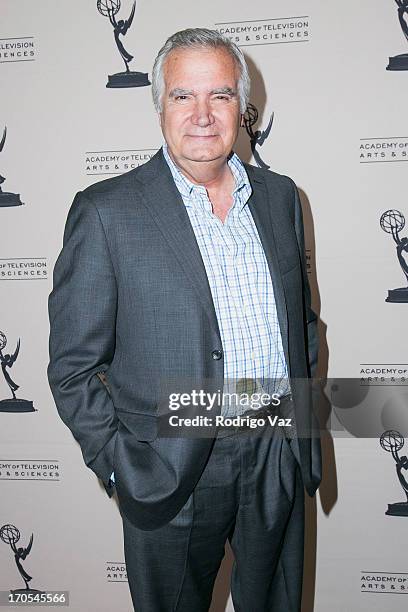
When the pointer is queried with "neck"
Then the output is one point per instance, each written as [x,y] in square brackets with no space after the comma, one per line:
[212,175]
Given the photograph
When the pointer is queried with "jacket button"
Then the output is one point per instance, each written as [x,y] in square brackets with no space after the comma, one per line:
[216,355]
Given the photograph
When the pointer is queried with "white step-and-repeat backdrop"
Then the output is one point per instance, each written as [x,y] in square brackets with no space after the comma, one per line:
[328,108]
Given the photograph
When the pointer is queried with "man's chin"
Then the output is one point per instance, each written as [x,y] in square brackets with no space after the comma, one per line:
[199,155]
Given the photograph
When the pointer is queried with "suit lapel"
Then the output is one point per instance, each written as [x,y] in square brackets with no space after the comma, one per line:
[166,206]
[260,206]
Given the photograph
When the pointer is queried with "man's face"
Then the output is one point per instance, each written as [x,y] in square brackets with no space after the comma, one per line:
[200,114]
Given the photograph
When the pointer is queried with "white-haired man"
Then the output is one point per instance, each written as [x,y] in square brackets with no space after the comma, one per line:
[191,269]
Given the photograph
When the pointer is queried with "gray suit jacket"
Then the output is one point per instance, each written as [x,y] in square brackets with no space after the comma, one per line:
[131,299]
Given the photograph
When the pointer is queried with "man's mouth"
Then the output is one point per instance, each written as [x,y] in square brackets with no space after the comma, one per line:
[202,136]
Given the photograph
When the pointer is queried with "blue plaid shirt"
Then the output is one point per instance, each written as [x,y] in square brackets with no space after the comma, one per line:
[241,288]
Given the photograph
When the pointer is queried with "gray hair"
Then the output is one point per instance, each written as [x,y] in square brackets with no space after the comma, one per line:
[196,38]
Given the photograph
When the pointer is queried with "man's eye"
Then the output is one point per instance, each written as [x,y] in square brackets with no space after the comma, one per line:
[181,98]
[222,97]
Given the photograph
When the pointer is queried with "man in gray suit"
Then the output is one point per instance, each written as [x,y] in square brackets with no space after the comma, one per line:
[187,275]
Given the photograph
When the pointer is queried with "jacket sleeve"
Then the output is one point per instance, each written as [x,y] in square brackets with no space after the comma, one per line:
[312,340]
[82,314]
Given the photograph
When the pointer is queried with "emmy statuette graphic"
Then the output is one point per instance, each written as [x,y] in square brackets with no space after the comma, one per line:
[392,442]
[6,197]
[392,222]
[11,535]
[13,404]
[128,78]
[258,137]
[400,62]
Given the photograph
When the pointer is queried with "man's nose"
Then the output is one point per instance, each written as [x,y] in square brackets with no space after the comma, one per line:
[202,115]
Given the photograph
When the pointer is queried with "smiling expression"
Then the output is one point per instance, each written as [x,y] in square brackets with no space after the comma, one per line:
[200,114]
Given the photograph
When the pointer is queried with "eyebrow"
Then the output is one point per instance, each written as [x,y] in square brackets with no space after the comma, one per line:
[178,91]
[225,90]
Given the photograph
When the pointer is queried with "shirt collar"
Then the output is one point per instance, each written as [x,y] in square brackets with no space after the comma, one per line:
[187,187]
